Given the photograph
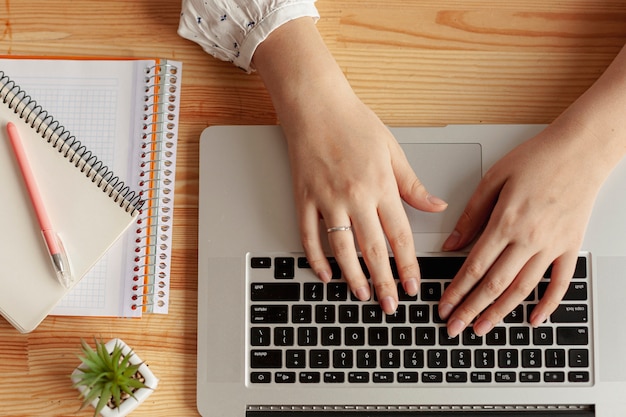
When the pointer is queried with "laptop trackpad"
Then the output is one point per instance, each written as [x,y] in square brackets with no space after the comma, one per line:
[450,171]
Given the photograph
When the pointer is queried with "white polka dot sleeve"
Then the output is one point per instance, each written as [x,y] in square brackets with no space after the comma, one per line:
[231,30]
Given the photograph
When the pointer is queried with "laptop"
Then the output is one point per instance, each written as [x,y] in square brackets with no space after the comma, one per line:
[274,341]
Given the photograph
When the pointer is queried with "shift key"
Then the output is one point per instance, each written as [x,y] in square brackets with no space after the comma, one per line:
[570,313]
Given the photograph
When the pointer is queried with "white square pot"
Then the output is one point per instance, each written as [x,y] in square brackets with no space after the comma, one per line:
[141,394]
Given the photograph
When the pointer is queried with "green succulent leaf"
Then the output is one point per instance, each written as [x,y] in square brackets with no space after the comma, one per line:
[106,375]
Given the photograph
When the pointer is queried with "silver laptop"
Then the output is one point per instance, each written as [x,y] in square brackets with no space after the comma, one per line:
[274,341]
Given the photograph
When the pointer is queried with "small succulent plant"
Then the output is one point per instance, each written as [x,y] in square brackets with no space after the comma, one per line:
[109,376]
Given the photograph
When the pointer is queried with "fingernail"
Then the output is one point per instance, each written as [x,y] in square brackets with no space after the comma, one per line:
[389,305]
[482,327]
[410,286]
[538,319]
[445,310]
[452,241]
[455,327]
[436,200]
[362,293]
[324,276]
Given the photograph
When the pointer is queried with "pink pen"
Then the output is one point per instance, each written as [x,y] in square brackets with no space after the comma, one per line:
[55,247]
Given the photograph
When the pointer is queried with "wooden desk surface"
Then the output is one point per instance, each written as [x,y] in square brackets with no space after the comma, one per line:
[414,62]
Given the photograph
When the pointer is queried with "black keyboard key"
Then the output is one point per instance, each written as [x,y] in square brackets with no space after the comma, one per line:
[579,272]
[531,358]
[508,358]
[307,336]
[578,376]
[440,267]
[334,377]
[264,262]
[337,291]
[515,316]
[445,340]
[348,314]
[430,291]
[572,336]
[480,377]
[343,358]
[570,313]
[577,291]
[284,268]
[432,377]
[414,358]
[419,313]
[403,296]
[261,377]
[578,358]
[268,358]
[519,336]
[301,314]
[543,336]
[309,377]
[313,291]
[354,336]
[366,358]
[554,376]
[295,358]
[319,358]
[401,336]
[555,358]
[437,358]
[470,338]
[390,358]
[331,336]
[456,377]
[531,376]
[283,336]
[506,377]
[260,336]
[460,358]
[408,377]
[484,358]
[496,337]
[335,269]
[285,377]
[358,377]
[383,377]
[425,336]
[324,313]
[372,313]
[399,316]
[269,313]
[275,291]
[378,336]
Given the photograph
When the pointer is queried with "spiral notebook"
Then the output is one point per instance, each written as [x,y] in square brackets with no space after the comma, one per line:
[124,113]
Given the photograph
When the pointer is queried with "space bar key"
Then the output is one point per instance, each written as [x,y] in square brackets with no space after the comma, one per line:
[273,291]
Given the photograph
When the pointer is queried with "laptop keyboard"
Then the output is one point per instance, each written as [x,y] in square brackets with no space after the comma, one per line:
[302,331]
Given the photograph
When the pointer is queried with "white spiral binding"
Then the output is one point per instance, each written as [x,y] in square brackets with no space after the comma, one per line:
[154,231]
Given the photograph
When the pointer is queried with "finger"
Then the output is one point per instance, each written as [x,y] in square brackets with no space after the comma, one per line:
[494,283]
[518,290]
[562,272]
[475,214]
[410,187]
[369,235]
[479,261]
[312,243]
[343,246]
[398,231]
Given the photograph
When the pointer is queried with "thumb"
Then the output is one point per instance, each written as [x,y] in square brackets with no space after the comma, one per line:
[411,188]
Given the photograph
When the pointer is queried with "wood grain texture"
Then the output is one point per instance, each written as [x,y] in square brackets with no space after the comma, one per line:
[414,62]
